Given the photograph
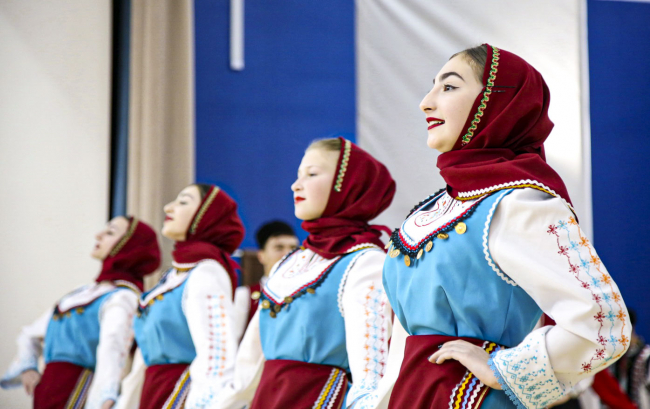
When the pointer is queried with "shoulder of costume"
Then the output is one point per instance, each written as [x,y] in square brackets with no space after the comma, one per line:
[363,246]
[127,285]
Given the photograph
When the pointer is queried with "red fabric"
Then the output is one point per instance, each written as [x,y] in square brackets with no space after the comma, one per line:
[366,191]
[218,234]
[610,393]
[57,383]
[507,145]
[139,256]
[424,385]
[159,383]
[293,384]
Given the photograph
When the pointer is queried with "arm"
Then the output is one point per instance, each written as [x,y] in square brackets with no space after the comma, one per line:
[131,389]
[30,348]
[537,242]
[208,308]
[368,326]
[242,305]
[115,339]
[248,369]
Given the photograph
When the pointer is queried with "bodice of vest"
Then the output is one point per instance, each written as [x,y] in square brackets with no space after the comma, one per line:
[73,331]
[454,288]
[161,328]
[300,316]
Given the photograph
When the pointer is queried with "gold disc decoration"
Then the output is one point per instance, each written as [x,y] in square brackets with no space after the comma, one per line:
[461,228]
[277,308]
[266,304]
[429,246]
[394,253]
[420,253]
[256,295]
[390,243]
[407,260]
[443,236]
[311,290]
[288,300]
[272,314]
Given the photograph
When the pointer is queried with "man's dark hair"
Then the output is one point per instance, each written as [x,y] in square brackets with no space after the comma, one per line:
[272,229]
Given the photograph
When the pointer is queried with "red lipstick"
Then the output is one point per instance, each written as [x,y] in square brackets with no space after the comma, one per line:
[433,122]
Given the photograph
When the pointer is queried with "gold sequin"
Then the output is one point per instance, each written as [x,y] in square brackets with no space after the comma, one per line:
[266,304]
[461,228]
[443,236]
[288,300]
[429,246]
[420,253]
[277,308]
[79,310]
[407,260]
[394,253]
[256,295]
[55,317]
[272,314]
[311,290]
[67,314]
[390,243]
[159,297]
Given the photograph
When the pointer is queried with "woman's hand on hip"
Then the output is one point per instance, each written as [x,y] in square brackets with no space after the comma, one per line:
[30,378]
[473,357]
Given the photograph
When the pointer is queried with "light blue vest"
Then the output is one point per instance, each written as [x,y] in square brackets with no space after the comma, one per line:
[311,328]
[161,329]
[74,335]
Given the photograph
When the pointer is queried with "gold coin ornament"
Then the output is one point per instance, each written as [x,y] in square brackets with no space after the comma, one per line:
[461,228]
[288,300]
[272,314]
[390,243]
[407,260]
[79,310]
[443,236]
[266,304]
[256,295]
[420,253]
[311,291]
[277,308]
[429,246]
[159,297]
[394,253]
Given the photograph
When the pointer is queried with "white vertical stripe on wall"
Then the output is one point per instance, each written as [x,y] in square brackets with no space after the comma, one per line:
[400,47]
[54,156]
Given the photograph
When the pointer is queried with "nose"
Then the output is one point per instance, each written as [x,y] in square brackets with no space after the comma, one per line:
[167,208]
[99,235]
[428,102]
[296,186]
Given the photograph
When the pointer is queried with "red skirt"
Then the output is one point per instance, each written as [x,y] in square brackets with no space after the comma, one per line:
[165,386]
[62,386]
[424,385]
[299,385]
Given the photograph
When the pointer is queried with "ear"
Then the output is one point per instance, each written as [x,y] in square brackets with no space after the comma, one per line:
[261,256]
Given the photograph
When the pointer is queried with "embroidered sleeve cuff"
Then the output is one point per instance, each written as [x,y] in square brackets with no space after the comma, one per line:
[11,379]
[525,373]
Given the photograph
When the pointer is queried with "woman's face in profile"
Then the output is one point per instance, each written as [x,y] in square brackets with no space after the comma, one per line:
[180,212]
[448,104]
[312,188]
[109,236]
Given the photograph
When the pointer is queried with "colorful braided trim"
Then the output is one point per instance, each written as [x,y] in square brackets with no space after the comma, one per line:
[177,398]
[123,240]
[77,399]
[470,392]
[329,393]
[486,97]
[203,209]
[344,166]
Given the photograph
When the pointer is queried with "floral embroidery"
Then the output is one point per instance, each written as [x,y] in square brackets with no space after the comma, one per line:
[217,337]
[602,289]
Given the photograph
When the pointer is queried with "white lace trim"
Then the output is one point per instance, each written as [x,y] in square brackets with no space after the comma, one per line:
[360,247]
[344,279]
[486,190]
[486,251]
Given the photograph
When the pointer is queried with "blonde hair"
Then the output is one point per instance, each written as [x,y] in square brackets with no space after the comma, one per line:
[326,144]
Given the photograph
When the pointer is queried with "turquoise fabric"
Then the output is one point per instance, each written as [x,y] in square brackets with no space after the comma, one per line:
[161,329]
[73,336]
[311,329]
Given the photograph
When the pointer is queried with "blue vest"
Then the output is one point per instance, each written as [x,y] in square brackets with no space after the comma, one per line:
[161,329]
[73,336]
[310,328]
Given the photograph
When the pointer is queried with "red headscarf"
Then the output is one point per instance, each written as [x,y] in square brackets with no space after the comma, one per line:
[362,189]
[134,256]
[214,233]
[502,145]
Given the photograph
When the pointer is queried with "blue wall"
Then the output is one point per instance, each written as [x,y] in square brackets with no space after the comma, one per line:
[619,65]
[253,126]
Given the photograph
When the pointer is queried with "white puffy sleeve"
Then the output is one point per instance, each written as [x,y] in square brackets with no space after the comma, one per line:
[30,348]
[248,369]
[365,308]
[535,241]
[208,308]
[132,384]
[115,340]
[241,310]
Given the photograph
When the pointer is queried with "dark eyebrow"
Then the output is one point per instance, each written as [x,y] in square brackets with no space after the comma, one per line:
[447,75]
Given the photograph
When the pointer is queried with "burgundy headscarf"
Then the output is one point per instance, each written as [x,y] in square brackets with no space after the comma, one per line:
[362,189]
[214,233]
[502,141]
[134,256]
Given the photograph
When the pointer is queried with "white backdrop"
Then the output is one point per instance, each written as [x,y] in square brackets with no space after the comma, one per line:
[401,45]
[54,156]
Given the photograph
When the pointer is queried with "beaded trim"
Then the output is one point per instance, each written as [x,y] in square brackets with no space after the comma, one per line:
[123,240]
[203,209]
[344,166]
[486,97]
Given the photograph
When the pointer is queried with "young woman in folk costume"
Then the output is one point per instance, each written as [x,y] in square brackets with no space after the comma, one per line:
[88,335]
[184,327]
[323,317]
[473,266]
